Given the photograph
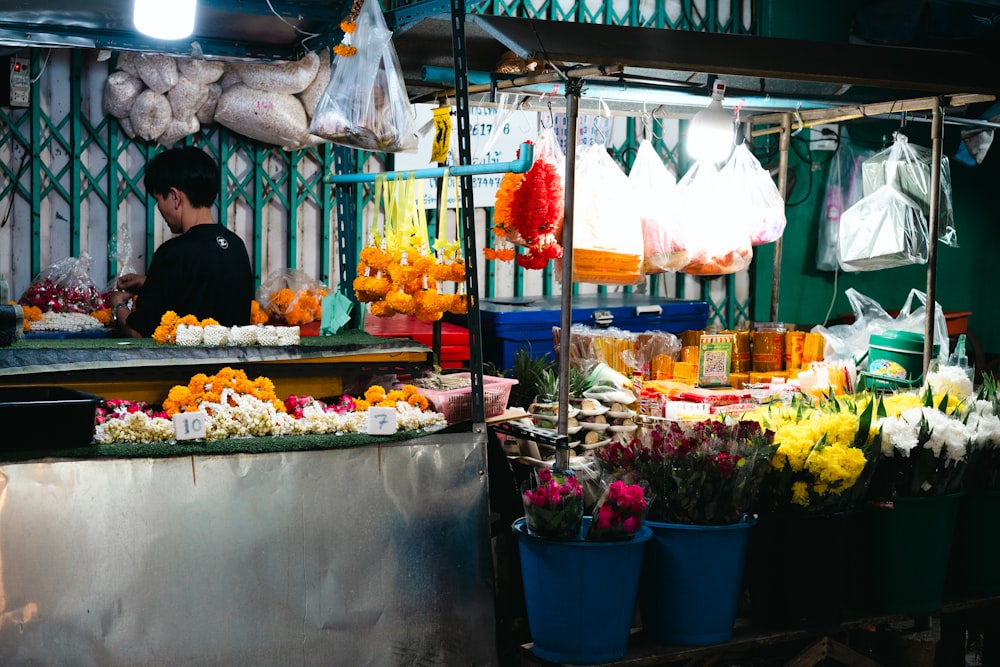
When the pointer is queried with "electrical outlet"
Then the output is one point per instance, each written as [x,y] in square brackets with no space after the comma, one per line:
[824,137]
[20,82]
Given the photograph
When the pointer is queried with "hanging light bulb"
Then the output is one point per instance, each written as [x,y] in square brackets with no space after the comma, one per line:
[710,134]
[164,20]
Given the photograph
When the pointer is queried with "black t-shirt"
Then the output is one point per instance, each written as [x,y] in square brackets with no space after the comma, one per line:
[205,272]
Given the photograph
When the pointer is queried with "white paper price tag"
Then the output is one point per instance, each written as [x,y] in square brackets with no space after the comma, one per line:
[189,425]
[381,421]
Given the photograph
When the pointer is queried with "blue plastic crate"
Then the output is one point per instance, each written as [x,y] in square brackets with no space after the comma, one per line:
[512,323]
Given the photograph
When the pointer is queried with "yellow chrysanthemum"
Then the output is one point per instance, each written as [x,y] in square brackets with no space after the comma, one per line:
[800,494]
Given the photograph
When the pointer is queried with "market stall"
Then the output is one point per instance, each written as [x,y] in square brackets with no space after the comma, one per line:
[600,56]
[296,549]
[423,498]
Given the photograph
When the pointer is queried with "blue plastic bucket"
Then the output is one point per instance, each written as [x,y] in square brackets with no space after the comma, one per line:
[580,596]
[692,578]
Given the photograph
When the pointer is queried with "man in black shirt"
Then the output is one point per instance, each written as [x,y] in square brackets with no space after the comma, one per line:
[205,271]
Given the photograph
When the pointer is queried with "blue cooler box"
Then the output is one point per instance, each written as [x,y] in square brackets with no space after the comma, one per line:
[510,323]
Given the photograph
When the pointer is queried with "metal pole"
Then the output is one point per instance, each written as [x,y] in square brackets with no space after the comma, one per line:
[468,218]
[786,132]
[573,89]
[937,131]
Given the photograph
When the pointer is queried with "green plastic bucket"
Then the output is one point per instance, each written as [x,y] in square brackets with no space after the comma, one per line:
[912,542]
[895,359]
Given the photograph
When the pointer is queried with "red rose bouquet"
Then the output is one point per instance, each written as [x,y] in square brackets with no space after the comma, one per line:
[553,505]
[620,512]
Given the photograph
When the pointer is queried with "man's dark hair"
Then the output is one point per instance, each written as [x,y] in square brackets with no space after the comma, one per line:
[189,169]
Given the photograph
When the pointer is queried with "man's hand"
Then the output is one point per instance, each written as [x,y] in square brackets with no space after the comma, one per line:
[131,282]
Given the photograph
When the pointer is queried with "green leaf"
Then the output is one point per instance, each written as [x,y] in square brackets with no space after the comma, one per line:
[864,424]
[943,405]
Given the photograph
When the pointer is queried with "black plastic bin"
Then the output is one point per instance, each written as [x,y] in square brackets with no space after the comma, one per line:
[46,417]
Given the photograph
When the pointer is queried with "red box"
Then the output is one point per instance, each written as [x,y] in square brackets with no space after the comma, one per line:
[454,338]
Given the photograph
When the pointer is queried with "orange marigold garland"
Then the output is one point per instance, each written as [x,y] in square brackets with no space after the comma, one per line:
[349,25]
[208,388]
[166,332]
[378,396]
[295,307]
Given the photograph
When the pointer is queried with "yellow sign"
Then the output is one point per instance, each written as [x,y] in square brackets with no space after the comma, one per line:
[442,134]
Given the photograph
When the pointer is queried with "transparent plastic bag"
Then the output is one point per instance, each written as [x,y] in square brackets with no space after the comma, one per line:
[843,189]
[849,342]
[607,232]
[365,104]
[717,239]
[884,230]
[65,287]
[908,168]
[654,189]
[292,297]
[754,196]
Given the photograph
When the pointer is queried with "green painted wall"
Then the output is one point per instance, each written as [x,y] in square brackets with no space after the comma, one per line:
[815,20]
[966,276]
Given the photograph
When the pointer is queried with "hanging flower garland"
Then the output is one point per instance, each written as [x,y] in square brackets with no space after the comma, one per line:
[503,231]
[529,212]
[349,25]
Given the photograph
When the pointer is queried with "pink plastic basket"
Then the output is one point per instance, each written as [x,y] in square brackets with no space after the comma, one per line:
[456,404]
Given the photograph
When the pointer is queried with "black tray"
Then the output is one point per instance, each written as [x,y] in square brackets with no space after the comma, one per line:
[46,417]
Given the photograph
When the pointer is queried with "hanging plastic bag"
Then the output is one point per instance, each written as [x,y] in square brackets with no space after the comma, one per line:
[365,104]
[654,189]
[908,168]
[607,232]
[752,194]
[843,189]
[716,237]
[882,231]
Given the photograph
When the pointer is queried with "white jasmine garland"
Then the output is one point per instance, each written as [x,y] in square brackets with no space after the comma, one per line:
[134,427]
[243,415]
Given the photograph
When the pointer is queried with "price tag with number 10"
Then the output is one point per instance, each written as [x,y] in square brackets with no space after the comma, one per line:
[189,425]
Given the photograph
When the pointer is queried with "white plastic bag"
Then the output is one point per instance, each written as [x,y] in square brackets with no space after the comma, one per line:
[289,77]
[908,168]
[120,91]
[654,189]
[607,232]
[274,118]
[849,342]
[753,196]
[365,104]
[716,237]
[882,231]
